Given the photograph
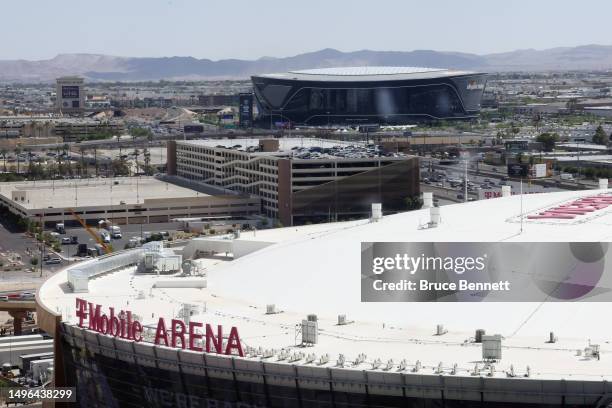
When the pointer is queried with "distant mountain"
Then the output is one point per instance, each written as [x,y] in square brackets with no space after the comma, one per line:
[109,68]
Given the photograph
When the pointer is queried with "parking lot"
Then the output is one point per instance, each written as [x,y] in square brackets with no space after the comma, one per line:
[127,232]
[451,177]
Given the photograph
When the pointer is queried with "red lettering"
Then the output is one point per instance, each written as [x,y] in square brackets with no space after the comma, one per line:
[94,317]
[178,334]
[161,333]
[103,326]
[130,335]
[193,336]
[217,342]
[122,319]
[137,331]
[233,342]
[114,328]
[81,306]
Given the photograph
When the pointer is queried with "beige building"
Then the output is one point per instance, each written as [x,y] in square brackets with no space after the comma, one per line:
[122,200]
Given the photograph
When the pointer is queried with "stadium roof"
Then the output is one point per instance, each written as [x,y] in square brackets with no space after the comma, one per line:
[316,269]
[373,73]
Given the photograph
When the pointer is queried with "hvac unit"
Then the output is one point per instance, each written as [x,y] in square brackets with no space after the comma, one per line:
[271,309]
[491,347]
[440,330]
[310,331]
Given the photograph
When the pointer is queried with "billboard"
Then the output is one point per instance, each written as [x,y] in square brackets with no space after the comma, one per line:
[245,111]
[70,92]
[193,128]
[540,170]
[518,170]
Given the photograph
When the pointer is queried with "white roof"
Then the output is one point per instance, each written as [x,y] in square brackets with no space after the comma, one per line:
[361,71]
[95,192]
[316,269]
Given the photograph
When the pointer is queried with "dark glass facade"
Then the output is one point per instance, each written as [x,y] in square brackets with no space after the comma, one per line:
[384,102]
[102,380]
[353,196]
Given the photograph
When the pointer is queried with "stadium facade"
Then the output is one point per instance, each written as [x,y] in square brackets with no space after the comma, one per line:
[228,337]
[367,95]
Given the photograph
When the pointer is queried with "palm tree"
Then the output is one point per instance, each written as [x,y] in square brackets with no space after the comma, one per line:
[136,153]
[147,161]
[83,167]
[17,151]
[95,152]
[28,151]
[3,152]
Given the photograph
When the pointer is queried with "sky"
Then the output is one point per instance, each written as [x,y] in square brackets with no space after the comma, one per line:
[249,29]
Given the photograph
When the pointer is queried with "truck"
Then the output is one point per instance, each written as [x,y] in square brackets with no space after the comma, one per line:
[105,236]
[115,232]
[60,228]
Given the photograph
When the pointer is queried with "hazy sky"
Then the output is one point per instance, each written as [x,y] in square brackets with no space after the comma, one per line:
[248,29]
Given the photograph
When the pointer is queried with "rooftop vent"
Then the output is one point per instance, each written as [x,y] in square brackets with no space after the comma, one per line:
[440,330]
[427,199]
[434,213]
[376,212]
[603,184]
[271,309]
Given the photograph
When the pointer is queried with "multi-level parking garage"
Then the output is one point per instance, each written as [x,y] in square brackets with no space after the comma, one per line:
[274,318]
[301,180]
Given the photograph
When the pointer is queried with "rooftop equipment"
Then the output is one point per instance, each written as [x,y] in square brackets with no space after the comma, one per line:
[491,347]
[434,213]
[478,335]
[506,191]
[310,330]
[376,212]
[427,199]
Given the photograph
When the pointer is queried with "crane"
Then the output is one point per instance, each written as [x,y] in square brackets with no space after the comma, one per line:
[91,232]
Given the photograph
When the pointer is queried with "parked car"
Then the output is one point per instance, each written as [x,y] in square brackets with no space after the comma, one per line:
[27,295]
[66,241]
[53,261]
[4,298]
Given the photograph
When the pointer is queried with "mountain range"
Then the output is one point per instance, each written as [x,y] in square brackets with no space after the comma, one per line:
[95,67]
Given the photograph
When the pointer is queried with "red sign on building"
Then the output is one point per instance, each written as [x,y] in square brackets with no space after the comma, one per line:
[186,336]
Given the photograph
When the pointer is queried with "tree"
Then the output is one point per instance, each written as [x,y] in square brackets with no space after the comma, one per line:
[136,153]
[548,141]
[3,152]
[147,162]
[600,137]
[17,151]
